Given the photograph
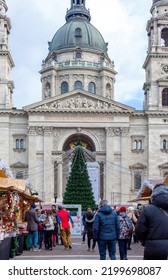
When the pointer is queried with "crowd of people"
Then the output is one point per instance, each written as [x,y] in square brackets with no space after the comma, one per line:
[106,227]
[48,227]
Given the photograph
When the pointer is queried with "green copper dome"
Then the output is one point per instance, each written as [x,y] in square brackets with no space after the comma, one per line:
[78,31]
[155,1]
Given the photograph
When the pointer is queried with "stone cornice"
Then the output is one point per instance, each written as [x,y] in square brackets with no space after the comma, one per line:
[155,55]
[150,114]
[79,111]
[12,112]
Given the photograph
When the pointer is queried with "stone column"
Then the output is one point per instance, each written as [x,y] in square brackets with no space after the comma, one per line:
[58,178]
[59,181]
[53,84]
[103,85]
[125,173]
[108,168]
[32,154]
[101,175]
[48,170]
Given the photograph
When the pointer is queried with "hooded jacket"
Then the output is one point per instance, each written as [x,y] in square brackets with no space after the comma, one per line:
[106,224]
[152,225]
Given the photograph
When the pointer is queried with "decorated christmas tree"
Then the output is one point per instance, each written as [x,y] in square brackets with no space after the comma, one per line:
[79,188]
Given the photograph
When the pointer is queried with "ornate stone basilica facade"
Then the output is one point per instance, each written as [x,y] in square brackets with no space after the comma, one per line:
[125,145]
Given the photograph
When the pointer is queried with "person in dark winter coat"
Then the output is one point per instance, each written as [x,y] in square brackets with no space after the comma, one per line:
[106,230]
[89,219]
[32,226]
[152,225]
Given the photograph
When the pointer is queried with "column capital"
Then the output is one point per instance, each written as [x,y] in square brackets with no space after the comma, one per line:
[117,131]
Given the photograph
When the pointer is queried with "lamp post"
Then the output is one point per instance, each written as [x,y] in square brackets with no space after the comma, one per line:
[55,197]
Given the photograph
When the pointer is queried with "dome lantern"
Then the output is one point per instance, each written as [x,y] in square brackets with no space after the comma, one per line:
[78,9]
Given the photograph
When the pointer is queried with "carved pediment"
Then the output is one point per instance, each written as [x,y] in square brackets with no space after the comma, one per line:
[138,166]
[163,165]
[79,101]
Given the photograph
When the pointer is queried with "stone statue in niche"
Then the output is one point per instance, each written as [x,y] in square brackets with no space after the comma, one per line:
[47,91]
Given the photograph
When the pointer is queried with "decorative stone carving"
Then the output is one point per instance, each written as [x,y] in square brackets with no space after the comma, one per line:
[48,130]
[78,102]
[57,134]
[116,131]
[32,130]
[39,130]
[125,131]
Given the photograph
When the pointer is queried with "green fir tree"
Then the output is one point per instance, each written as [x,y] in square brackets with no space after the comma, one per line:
[79,188]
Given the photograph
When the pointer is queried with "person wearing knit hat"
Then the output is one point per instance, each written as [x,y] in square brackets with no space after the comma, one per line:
[123,209]
[33,206]
[126,229]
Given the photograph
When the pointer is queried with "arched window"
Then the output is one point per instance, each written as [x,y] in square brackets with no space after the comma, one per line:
[135,145]
[108,91]
[92,87]
[47,90]
[78,55]
[19,175]
[165,97]
[78,32]
[139,146]
[21,144]
[164,36]
[137,181]
[17,144]
[64,87]
[165,144]
[78,85]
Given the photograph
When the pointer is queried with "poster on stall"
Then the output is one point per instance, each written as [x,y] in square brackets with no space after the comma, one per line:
[77,219]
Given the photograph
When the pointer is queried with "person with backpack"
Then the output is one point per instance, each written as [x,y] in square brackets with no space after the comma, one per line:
[126,226]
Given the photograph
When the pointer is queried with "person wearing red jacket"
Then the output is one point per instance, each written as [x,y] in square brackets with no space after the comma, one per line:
[65,226]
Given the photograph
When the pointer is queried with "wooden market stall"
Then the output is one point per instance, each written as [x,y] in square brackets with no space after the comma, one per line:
[144,194]
[15,200]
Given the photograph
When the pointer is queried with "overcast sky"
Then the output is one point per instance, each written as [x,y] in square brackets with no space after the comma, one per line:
[122,24]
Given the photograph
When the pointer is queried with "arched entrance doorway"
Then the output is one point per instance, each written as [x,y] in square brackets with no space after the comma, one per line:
[93,166]
[86,142]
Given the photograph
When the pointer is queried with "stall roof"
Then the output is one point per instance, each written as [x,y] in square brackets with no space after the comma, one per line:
[147,187]
[17,184]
